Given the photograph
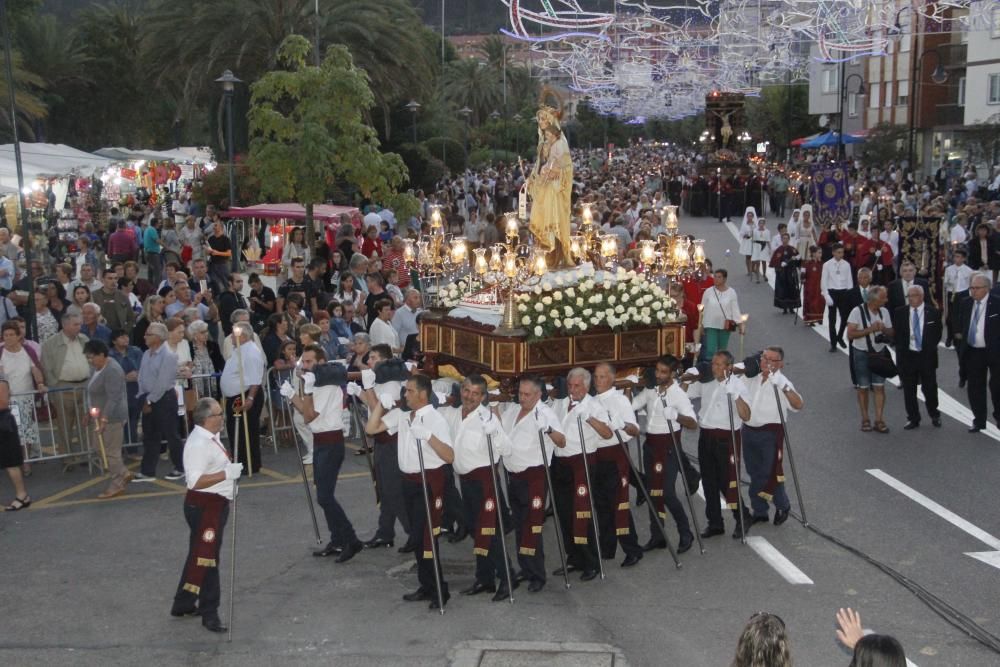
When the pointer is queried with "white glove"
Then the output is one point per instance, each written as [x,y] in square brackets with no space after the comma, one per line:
[308,383]
[420,431]
[343,341]
[491,425]
[878,253]
[828,299]
[287,390]
[779,380]
[442,397]
[353,389]
[740,365]
[732,387]
[634,379]
[616,422]
[410,365]
[546,418]
[233,471]
[367,378]
[581,412]
[692,371]
[387,401]
[784,264]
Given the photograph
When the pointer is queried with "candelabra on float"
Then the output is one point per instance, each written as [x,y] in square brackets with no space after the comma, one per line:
[436,257]
[510,265]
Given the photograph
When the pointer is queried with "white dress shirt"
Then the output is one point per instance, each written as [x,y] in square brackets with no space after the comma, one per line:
[397,422]
[651,401]
[253,371]
[471,449]
[980,340]
[571,430]
[328,401]
[714,410]
[615,403]
[836,275]
[956,278]
[525,452]
[719,307]
[763,408]
[204,454]
[382,333]
[920,320]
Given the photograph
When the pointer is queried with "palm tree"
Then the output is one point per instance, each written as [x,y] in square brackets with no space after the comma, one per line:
[30,108]
[471,83]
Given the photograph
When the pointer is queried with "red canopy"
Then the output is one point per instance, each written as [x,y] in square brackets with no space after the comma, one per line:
[802,140]
[322,212]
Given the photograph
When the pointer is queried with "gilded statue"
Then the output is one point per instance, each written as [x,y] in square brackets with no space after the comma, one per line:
[550,186]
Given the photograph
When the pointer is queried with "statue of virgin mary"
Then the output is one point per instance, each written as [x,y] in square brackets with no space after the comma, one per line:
[550,186]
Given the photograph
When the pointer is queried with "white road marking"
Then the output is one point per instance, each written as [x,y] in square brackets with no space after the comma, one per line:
[946,403]
[777,560]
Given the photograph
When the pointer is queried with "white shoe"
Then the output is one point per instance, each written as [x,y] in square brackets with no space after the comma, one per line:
[307,460]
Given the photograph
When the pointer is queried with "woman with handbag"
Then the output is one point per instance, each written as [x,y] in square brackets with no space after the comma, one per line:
[869,327]
[720,316]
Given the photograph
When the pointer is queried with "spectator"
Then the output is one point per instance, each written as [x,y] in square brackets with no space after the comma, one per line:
[200,281]
[86,256]
[338,325]
[262,300]
[404,320]
[22,368]
[869,326]
[242,378]
[357,360]
[67,370]
[296,248]
[7,273]
[347,291]
[870,650]
[81,295]
[202,301]
[371,245]
[7,247]
[314,275]
[192,240]
[122,246]
[206,358]
[230,301]
[106,393]
[129,358]
[219,248]
[92,327]
[297,283]
[153,251]
[11,453]
[114,305]
[764,643]
[153,311]
[88,278]
[157,375]
[227,341]
[394,260]
[382,331]
[293,313]
[721,316]
[327,339]
[277,334]
[143,288]
[57,299]
[376,293]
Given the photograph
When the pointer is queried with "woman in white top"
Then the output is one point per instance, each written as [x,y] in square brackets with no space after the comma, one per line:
[24,375]
[720,316]
[865,227]
[761,239]
[807,236]
[793,226]
[295,247]
[868,327]
[178,344]
[746,236]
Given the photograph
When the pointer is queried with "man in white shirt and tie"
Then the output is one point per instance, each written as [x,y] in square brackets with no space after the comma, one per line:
[956,287]
[835,284]
[979,336]
[716,458]
[917,328]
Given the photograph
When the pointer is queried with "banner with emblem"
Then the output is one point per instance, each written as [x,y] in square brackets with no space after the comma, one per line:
[830,199]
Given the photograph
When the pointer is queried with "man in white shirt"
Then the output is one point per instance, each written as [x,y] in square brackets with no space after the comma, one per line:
[611,472]
[321,409]
[835,284]
[724,407]
[583,421]
[425,428]
[473,429]
[404,320]
[956,287]
[665,405]
[763,436]
[249,362]
[211,483]
[720,316]
[382,331]
[525,422]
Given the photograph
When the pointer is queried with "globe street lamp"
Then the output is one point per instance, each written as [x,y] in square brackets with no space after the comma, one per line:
[517,133]
[495,116]
[414,107]
[229,81]
[465,112]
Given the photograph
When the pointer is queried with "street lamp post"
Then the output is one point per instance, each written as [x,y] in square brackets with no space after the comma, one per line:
[465,112]
[938,76]
[517,132]
[229,81]
[860,92]
[414,107]
[495,116]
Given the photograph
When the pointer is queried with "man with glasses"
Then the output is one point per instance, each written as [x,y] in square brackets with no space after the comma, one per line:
[763,435]
[918,330]
[978,335]
[211,484]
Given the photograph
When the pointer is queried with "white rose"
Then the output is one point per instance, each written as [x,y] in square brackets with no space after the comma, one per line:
[553,313]
[598,298]
[558,323]
[583,325]
[619,309]
[579,303]
[539,307]
[557,296]
[547,300]
[570,292]
[587,312]
[541,318]
[606,284]
[646,320]
[522,308]
[559,281]
[537,290]
[567,310]
[621,273]
[538,331]
[525,320]
[546,286]
[612,299]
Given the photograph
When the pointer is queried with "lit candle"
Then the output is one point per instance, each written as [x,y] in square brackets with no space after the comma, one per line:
[512,227]
[701,313]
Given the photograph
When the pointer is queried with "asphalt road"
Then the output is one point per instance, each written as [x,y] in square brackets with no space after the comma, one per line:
[87,582]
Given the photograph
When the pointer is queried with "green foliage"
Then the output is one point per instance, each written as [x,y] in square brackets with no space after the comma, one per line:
[982,140]
[884,142]
[453,152]
[482,157]
[424,169]
[780,114]
[214,187]
[308,131]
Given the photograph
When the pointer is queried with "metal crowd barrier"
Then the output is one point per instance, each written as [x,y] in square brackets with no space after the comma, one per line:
[277,406]
[52,424]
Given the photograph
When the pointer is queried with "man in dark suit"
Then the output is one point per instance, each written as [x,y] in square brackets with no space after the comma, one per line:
[979,335]
[858,294]
[917,328]
[899,288]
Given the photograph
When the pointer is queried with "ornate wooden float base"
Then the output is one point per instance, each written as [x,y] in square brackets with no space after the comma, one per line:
[472,347]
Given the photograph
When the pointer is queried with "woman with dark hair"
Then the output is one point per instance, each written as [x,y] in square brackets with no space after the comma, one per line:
[346,290]
[153,311]
[764,643]
[57,299]
[11,452]
[277,333]
[81,295]
[869,650]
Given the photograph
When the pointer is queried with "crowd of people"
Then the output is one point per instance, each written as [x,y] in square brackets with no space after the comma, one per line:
[189,350]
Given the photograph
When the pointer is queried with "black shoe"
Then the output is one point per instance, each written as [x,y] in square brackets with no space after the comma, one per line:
[569,568]
[654,544]
[536,586]
[434,602]
[632,559]
[780,517]
[975,429]
[841,343]
[418,595]
[502,592]
[179,612]
[833,348]
[741,530]
[759,519]
[478,588]
[640,501]
[521,576]
[936,421]
[350,551]
[712,532]
[379,543]
[687,539]
[961,383]
[407,548]
[329,550]
[910,425]
[213,624]
[458,535]
[588,575]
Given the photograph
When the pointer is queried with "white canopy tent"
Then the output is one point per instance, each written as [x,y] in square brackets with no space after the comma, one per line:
[48,161]
[184,154]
